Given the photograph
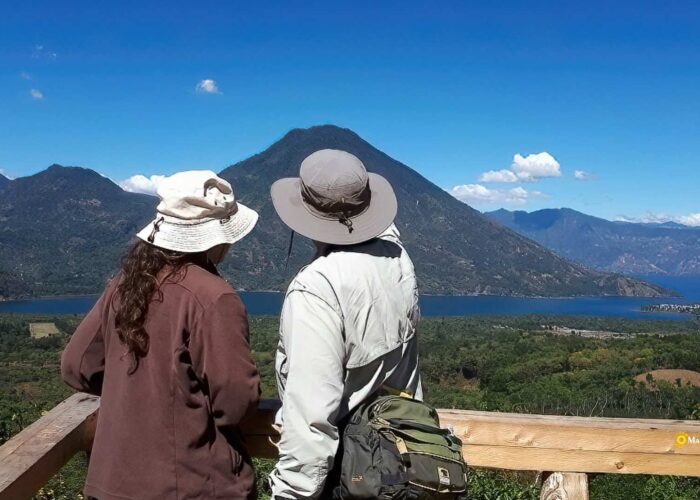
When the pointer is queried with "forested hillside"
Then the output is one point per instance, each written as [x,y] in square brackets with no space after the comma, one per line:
[613,246]
[496,364]
[63,230]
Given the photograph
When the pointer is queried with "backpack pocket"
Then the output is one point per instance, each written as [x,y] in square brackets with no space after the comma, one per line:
[433,462]
[431,455]
[361,457]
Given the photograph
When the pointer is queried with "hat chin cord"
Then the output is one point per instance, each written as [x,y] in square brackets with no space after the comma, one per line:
[289,250]
[345,221]
[156,228]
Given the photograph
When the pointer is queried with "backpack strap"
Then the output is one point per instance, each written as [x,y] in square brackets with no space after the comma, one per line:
[390,391]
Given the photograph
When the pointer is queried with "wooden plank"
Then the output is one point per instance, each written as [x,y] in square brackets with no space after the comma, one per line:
[259,432]
[562,434]
[617,423]
[577,444]
[565,486]
[545,459]
[546,442]
[260,447]
[37,453]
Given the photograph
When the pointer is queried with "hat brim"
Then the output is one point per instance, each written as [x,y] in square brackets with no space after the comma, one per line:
[286,198]
[180,236]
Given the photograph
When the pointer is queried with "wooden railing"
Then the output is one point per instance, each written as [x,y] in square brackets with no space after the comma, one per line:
[571,446]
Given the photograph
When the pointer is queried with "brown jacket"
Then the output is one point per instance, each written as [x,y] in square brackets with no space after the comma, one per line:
[170,429]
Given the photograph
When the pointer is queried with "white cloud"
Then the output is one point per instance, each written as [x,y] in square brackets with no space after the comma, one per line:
[535,166]
[498,176]
[25,76]
[5,174]
[36,94]
[647,218]
[476,194]
[692,220]
[207,87]
[41,52]
[582,175]
[528,168]
[142,184]
[108,178]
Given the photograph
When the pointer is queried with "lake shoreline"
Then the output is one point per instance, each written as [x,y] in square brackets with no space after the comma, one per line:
[667,283]
[439,295]
[269,302]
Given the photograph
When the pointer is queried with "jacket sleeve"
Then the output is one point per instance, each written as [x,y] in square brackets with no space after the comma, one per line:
[83,359]
[221,357]
[312,334]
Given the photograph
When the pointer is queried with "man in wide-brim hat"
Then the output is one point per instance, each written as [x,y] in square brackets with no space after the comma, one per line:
[348,324]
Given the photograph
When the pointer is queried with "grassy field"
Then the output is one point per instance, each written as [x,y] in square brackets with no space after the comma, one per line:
[678,377]
[43,330]
[497,364]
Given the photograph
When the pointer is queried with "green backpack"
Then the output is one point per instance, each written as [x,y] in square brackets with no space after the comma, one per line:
[393,448]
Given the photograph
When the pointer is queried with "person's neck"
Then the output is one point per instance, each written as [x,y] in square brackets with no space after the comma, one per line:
[201,260]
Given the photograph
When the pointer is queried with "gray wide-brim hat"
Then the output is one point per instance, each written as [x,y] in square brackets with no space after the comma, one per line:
[335,200]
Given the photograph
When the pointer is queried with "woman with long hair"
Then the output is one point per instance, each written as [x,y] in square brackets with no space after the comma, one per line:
[166,347]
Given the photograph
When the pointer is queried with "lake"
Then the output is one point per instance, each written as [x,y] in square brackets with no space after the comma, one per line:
[269,303]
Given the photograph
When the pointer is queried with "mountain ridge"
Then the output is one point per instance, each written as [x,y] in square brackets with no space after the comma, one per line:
[609,246]
[63,230]
[432,222]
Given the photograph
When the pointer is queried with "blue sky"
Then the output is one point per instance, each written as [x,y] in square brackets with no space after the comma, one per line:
[453,89]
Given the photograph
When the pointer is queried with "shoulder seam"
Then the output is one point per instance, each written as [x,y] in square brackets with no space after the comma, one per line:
[197,299]
[298,290]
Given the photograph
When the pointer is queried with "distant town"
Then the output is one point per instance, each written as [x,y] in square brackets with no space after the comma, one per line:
[673,308]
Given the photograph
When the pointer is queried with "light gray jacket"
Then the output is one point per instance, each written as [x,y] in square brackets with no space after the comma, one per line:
[348,327]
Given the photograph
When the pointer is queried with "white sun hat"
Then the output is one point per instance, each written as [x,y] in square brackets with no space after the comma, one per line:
[197,211]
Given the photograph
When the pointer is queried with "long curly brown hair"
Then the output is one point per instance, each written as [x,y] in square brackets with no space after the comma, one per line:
[141,279]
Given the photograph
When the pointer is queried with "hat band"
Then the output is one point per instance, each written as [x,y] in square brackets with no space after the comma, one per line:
[342,210]
[218,213]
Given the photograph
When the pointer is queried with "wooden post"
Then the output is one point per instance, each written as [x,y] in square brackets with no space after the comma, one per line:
[565,486]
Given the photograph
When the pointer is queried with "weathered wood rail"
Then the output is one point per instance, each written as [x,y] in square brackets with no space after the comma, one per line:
[571,446]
